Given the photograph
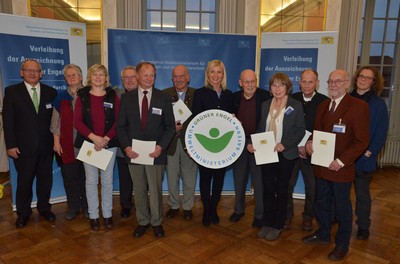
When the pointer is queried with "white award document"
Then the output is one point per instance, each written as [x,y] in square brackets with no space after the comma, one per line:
[324,148]
[181,111]
[305,138]
[264,144]
[143,148]
[89,155]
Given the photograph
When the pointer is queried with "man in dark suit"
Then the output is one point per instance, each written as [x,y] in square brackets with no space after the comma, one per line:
[179,164]
[156,124]
[247,108]
[310,99]
[129,83]
[348,118]
[27,115]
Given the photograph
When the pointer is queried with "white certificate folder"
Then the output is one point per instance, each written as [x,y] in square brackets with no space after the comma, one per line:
[89,155]
[264,144]
[181,111]
[143,148]
[324,148]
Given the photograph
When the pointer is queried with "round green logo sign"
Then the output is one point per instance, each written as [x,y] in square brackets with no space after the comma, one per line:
[215,139]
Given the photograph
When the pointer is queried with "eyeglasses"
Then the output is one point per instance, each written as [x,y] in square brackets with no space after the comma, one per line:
[336,82]
[31,71]
[71,75]
[363,77]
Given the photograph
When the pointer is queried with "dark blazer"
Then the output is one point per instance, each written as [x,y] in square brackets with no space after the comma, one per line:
[23,127]
[379,125]
[310,108]
[206,99]
[173,95]
[261,96]
[293,127]
[159,128]
[353,113]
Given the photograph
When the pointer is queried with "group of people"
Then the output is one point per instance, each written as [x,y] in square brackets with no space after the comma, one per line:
[110,118]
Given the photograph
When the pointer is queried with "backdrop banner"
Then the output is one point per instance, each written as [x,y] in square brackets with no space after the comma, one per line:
[54,44]
[168,49]
[292,53]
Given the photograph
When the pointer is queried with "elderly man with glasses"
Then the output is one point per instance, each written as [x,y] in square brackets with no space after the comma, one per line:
[348,118]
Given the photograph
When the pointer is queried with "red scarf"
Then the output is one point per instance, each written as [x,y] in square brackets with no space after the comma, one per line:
[67,131]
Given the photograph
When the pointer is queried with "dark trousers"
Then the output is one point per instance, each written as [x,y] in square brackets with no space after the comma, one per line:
[275,178]
[363,199]
[125,184]
[74,183]
[338,194]
[216,176]
[242,167]
[28,167]
[303,165]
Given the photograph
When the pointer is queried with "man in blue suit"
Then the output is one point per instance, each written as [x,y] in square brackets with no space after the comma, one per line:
[27,114]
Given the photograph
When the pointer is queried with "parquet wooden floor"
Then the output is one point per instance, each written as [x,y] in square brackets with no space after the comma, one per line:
[190,242]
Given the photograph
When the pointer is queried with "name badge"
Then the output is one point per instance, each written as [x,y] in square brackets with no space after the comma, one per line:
[49,106]
[289,110]
[156,111]
[108,105]
[339,127]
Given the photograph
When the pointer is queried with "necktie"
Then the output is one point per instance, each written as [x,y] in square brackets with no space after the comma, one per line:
[145,109]
[35,99]
[182,96]
[332,107]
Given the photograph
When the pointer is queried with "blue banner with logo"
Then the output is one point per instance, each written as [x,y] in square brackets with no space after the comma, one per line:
[54,47]
[168,49]
[290,61]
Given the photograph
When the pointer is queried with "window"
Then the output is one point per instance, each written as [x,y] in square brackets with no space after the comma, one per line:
[379,44]
[84,11]
[292,15]
[180,15]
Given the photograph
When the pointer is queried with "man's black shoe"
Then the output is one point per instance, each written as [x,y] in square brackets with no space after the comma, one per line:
[314,240]
[158,231]
[257,223]
[108,222]
[140,230]
[48,215]
[95,224]
[362,234]
[187,215]
[337,254]
[21,221]
[71,214]
[235,217]
[125,212]
[171,213]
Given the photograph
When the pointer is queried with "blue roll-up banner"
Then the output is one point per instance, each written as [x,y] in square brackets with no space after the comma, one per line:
[54,44]
[194,50]
[292,53]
